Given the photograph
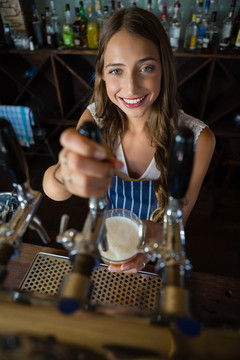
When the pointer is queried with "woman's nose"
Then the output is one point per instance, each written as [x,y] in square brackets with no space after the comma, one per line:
[131,83]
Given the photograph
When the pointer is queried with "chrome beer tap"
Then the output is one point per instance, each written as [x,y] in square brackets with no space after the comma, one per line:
[169,254]
[172,263]
[27,200]
[82,246]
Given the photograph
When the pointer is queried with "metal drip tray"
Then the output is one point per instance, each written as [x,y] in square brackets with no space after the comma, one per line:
[139,291]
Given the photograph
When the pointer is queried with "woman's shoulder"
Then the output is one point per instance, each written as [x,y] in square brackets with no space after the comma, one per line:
[192,123]
[92,108]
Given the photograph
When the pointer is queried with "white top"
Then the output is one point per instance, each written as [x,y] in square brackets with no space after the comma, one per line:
[152,172]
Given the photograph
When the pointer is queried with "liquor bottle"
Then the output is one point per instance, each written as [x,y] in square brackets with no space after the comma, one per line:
[106,13]
[199,11]
[211,36]
[227,27]
[175,27]
[92,30]
[99,13]
[119,5]
[149,5]
[164,18]
[235,29]
[8,41]
[37,27]
[203,25]
[83,30]
[76,28]
[113,7]
[51,35]
[56,23]
[190,40]
[43,19]
[67,27]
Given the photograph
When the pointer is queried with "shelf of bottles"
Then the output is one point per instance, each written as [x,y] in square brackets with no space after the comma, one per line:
[57,69]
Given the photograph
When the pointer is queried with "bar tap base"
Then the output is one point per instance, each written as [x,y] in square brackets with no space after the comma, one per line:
[174,301]
[112,331]
[116,333]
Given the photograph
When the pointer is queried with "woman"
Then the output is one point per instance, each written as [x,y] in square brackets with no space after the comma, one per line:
[135,105]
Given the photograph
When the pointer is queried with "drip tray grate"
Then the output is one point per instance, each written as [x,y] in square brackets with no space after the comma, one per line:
[139,291]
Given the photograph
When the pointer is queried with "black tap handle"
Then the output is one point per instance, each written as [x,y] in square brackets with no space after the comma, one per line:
[91,130]
[180,163]
[11,154]
[76,286]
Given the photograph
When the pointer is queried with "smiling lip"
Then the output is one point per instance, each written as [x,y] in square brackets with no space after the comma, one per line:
[133,102]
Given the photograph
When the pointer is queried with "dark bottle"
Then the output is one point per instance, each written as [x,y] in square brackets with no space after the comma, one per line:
[37,27]
[76,29]
[8,37]
[80,27]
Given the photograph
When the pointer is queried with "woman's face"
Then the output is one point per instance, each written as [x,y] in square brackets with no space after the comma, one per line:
[132,73]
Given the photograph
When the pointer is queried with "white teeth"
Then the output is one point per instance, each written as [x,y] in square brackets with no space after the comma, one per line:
[133,101]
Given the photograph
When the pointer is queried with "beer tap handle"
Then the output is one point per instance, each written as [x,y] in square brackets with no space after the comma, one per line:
[76,286]
[180,163]
[11,154]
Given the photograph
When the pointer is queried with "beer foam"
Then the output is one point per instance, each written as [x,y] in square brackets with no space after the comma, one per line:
[122,237]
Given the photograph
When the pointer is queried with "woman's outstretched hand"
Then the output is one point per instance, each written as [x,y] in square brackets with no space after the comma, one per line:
[86,168]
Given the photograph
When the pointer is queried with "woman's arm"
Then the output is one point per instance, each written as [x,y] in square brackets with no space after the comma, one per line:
[203,155]
[80,170]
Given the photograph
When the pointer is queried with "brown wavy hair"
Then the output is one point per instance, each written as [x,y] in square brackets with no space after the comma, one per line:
[164,115]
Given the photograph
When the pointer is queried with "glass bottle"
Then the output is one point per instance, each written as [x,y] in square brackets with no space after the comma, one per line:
[51,35]
[211,36]
[99,13]
[235,29]
[190,40]
[105,13]
[164,18]
[175,27]
[92,30]
[83,29]
[118,5]
[113,7]
[227,27]
[67,27]
[76,28]
[37,27]
[55,23]
[203,25]
[149,5]
[199,11]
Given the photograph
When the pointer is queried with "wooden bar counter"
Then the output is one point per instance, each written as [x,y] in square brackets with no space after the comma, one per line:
[215,299]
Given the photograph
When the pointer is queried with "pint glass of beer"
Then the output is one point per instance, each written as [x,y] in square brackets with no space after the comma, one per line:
[124,233]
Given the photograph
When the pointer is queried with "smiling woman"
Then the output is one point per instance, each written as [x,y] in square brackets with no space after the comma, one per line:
[135,106]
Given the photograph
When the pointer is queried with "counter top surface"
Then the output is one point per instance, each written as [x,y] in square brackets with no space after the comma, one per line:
[216,300]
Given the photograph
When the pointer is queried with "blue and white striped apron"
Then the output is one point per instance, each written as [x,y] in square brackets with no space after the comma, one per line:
[136,196]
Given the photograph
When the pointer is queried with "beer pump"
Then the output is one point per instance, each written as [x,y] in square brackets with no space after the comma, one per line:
[83,247]
[26,200]
[169,254]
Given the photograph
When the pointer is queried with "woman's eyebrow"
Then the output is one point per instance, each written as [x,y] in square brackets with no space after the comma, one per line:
[139,61]
[114,64]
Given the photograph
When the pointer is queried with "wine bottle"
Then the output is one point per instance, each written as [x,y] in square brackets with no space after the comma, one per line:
[227,27]
[37,27]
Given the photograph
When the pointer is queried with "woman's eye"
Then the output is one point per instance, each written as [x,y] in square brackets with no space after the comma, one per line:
[115,71]
[147,68]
